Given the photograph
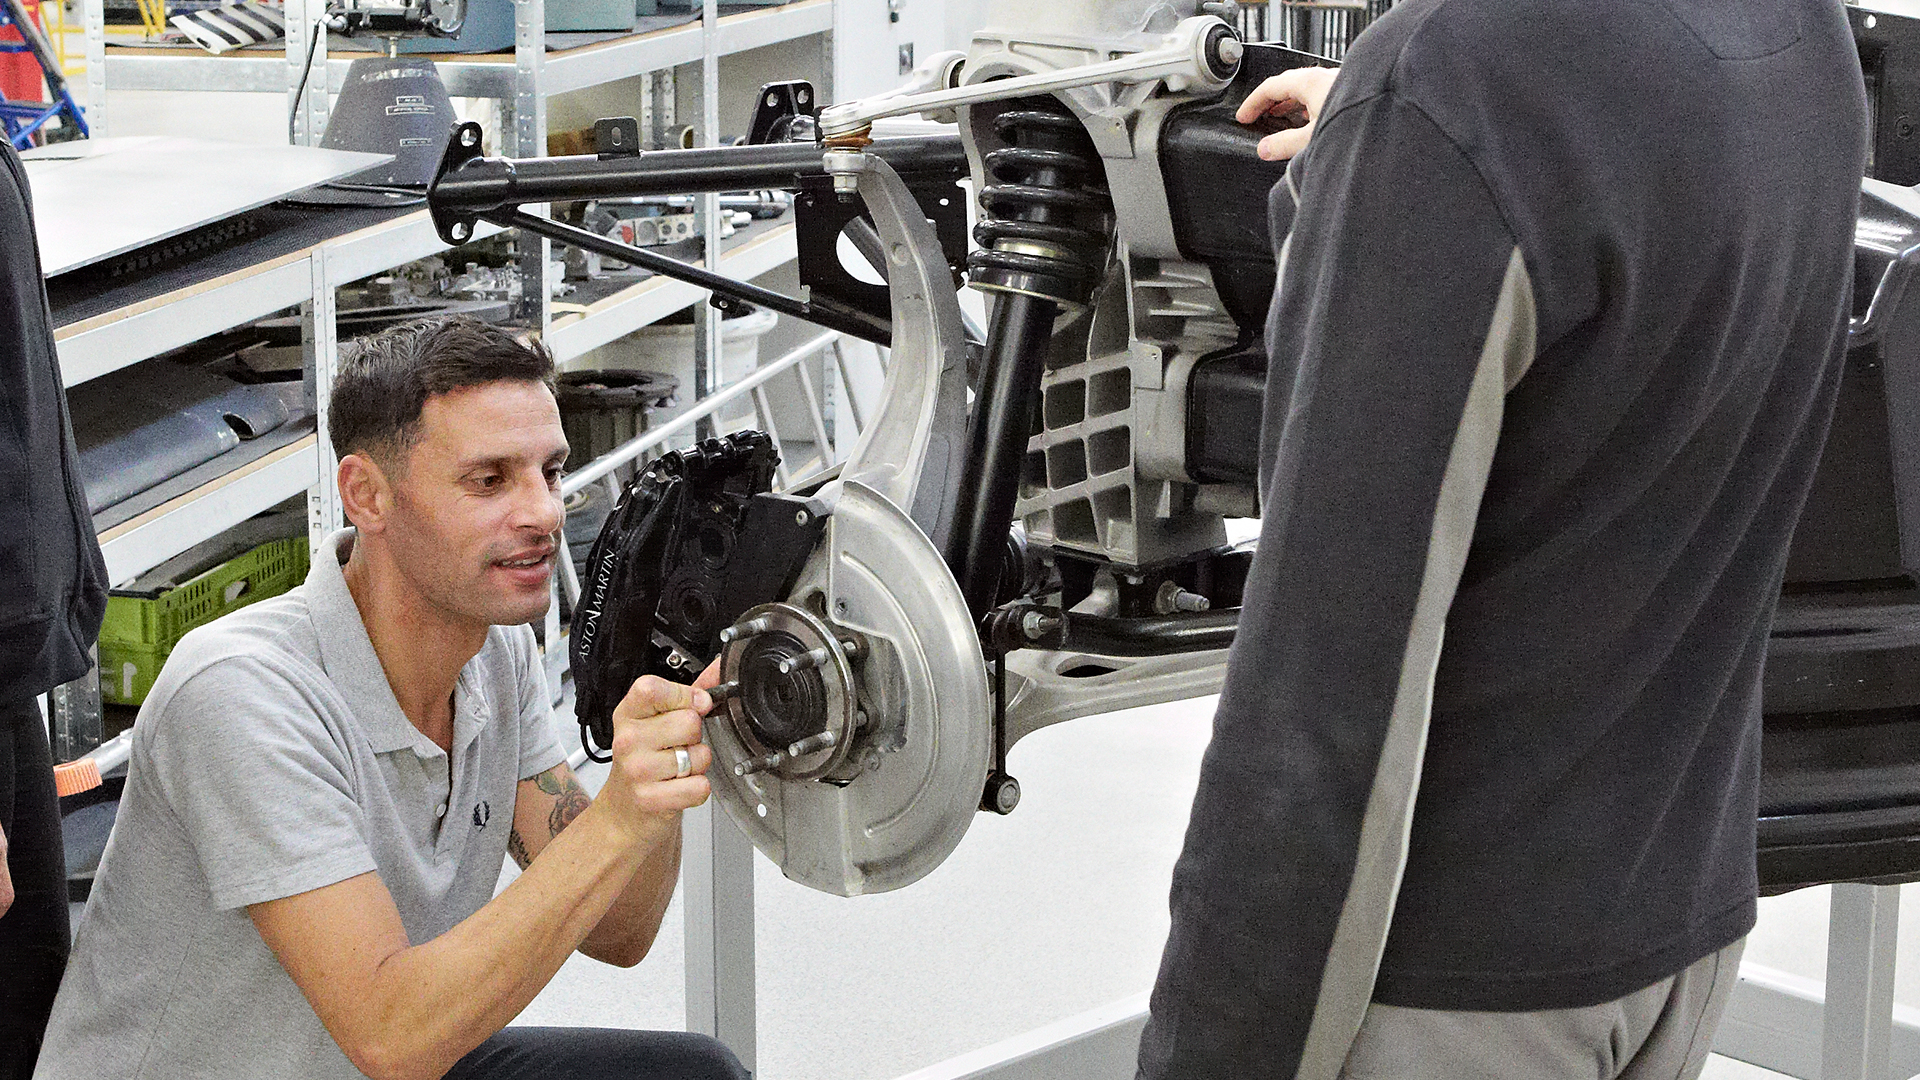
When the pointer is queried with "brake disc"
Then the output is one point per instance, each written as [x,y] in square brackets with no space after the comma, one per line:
[872,647]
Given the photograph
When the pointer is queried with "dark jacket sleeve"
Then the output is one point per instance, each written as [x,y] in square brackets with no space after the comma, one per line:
[52,579]
[1402,315]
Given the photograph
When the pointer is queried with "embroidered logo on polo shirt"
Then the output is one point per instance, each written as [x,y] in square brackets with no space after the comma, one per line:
[482,813]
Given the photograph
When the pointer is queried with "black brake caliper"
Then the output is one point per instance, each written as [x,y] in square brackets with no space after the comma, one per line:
[695,540]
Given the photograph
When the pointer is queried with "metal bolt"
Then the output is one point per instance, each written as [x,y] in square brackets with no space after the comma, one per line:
[759,764]
[470,137]
[1231,51]
[461,230]
[1171,598]
[1002,794]
[1190,601]
[801,517]
[813,743]
[722,691]
[806,661]
[845,166]
[1038,624]
[745,630]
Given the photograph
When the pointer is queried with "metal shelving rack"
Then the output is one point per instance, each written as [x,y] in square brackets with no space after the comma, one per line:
[1848,1027]
[108,342]
[522,80]
[466,75]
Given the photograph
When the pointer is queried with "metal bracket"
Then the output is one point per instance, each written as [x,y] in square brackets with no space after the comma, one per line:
[777,109]
[911,451]
[820,218]
[1202,52]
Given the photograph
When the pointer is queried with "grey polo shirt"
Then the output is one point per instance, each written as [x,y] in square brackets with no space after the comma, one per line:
[272,759]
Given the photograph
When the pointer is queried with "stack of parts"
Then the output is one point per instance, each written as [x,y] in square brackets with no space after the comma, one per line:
[232,25]
[157,420]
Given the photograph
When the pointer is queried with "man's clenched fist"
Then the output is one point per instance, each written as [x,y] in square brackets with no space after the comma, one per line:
[656,719]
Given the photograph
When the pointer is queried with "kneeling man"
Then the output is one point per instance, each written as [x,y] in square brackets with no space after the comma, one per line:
[324,785]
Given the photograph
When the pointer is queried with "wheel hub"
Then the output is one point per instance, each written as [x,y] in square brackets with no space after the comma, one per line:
[795,710]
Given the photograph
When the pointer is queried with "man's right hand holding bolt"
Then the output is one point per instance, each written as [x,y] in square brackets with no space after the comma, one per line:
[659,762]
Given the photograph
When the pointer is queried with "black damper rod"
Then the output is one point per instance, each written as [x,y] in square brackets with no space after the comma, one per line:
[1044,240]
[1017,341]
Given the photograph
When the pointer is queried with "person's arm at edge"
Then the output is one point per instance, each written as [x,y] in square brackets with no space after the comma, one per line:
[6,876]
[401,1011]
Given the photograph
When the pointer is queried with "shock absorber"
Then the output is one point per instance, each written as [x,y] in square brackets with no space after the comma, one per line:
[1044,233]
[1043,245]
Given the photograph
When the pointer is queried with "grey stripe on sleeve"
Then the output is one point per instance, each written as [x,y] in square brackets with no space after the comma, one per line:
[1346,985]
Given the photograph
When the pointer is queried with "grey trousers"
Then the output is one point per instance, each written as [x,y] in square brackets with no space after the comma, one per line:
[1660,1033]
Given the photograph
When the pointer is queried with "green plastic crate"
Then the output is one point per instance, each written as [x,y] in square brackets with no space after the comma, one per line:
[127,671]
[144,623]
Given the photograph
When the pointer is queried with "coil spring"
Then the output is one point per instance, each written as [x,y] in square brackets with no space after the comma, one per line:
[1046,223]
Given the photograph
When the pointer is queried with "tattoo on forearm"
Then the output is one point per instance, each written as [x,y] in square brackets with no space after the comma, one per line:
[572,799]
[569,799]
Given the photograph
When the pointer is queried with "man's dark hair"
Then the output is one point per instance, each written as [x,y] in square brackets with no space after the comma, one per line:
[386,378]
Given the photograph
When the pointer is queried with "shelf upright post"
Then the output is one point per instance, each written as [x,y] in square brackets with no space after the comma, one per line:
[309,106]
[707,320]
[1857,1021]
[831,378]
[717,865]
[321,345]
[824,92]
[529,139]
[660,107]
[529,130]
[716,882]
[96,21]
[73,710]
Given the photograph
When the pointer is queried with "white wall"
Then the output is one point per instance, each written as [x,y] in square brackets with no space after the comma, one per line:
[966,16]
[1909,8]
[867,43]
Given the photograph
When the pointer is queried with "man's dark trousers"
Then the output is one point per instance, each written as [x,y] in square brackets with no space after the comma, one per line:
[34,934]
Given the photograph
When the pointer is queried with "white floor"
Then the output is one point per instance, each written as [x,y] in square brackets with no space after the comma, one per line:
[1055,910]
[1719,1068]
[1039,916]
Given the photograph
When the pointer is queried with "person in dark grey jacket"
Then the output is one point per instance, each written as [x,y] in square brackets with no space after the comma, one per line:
[1556,341]
[52,596]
